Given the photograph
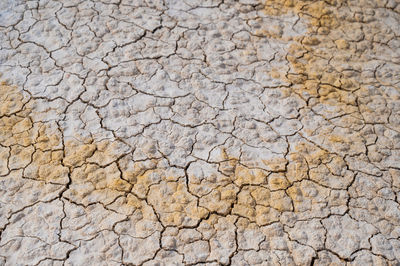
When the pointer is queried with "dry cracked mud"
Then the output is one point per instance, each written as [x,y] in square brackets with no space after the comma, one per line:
[213,132]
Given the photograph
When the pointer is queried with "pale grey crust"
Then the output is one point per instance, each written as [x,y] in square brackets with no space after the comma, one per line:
[199,132]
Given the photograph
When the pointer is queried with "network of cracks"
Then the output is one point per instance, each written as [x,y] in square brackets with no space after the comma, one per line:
[213,132]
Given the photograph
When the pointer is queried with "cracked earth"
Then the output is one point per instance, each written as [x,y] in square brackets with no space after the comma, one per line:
[213,132]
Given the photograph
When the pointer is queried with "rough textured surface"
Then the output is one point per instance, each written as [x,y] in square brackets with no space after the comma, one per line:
[200,132]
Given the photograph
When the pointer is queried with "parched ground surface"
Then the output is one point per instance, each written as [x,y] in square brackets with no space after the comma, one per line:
[200,132]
